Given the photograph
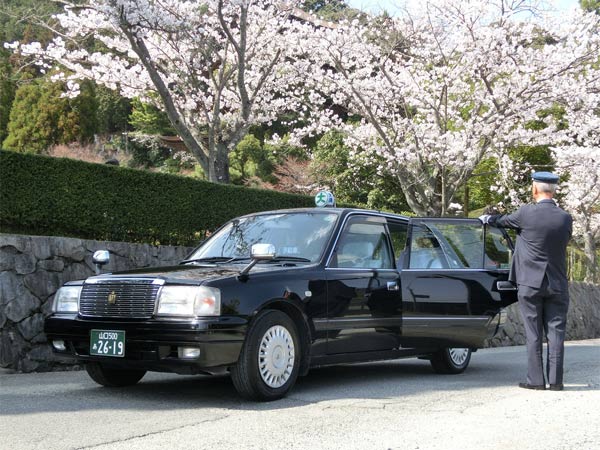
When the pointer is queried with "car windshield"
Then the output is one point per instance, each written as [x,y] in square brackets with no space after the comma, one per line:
[299,236]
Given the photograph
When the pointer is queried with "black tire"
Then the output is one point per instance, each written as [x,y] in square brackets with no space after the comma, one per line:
[110,377]
[246,374]
[451,360]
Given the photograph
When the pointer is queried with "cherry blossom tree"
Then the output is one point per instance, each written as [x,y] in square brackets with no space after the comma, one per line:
[578,156]
[581,167]
[293,175]
[216,67]
[579,162]
[439,88]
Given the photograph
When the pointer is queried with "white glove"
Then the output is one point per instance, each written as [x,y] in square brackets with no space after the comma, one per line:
[485,218]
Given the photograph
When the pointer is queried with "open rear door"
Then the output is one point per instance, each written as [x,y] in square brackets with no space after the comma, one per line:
[454,274]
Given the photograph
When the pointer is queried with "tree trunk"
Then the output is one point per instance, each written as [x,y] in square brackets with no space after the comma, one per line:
[219,164]
[139,47]
[443,201]
[418,206]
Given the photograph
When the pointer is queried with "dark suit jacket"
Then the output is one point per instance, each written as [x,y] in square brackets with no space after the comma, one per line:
[543,231]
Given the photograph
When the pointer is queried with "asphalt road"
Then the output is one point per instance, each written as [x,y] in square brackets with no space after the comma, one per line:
[390,405]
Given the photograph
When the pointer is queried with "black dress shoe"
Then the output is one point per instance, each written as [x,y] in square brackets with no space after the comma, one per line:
[535,387]
[557,387]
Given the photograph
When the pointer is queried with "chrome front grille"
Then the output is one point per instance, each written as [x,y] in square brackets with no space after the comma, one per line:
[119,298]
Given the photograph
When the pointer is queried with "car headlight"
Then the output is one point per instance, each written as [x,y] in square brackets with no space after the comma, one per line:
[189,301]
[67,299]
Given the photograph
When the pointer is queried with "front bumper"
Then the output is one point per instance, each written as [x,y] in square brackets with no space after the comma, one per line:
[153,344]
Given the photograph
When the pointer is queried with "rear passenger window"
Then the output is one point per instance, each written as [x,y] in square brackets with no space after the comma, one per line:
[455,244]
[425,250]
[497,251]
[465,244]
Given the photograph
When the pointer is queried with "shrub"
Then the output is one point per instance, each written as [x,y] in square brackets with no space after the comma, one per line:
[56,196]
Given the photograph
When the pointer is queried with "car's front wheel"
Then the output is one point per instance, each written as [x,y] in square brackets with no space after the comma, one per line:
[451,360]
[269,363]
[110,377]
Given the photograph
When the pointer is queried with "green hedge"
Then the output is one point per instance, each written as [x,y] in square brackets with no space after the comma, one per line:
[55,196]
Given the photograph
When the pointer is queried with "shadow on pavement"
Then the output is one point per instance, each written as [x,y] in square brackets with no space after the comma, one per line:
[74,391]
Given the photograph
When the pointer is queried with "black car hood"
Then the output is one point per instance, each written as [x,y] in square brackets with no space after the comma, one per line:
[192,273]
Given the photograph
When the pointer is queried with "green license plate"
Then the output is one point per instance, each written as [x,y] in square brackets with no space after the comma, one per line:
[107,343]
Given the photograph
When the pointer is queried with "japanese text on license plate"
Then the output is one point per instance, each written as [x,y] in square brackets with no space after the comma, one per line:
[107,343]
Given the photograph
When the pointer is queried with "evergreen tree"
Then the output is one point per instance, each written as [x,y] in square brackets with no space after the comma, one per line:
[41,116]
[78,119]
[148,119]
[353,178]
[333,10]
[7,93]
[113,111]
[29,130]
[590,5]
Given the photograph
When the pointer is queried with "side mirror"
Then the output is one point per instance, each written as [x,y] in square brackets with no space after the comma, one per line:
[258,252]
[100,258]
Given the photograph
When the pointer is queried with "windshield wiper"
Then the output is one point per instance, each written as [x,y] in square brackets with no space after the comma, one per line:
[241,258]
[228,259]
[289,258]
[214,259]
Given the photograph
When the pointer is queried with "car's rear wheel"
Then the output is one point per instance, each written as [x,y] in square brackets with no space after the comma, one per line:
[111,377]
[451,360]
[269,363]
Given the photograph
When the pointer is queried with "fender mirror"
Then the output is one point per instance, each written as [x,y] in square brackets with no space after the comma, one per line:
[100,258]
[258,252]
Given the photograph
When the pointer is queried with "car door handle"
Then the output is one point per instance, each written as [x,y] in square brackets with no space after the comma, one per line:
[392,286]
[505,286]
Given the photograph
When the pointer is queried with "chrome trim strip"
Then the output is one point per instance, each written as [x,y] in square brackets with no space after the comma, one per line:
[447,269]
[445,322]
[400,321]
[117,278]
[356,323]
[409,318]
[320,324]
[362,269]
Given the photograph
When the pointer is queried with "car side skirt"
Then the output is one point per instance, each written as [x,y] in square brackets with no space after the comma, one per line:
[349,358]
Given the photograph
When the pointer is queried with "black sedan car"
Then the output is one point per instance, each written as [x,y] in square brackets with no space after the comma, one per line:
[270,295]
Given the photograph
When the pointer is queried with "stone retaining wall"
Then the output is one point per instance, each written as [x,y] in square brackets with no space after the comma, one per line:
[32,268]
[583,319]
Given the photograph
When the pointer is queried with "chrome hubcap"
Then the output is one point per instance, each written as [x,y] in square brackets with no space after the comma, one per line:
[276,356]
[458,355]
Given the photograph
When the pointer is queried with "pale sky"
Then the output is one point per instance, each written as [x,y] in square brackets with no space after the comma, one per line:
[392,5]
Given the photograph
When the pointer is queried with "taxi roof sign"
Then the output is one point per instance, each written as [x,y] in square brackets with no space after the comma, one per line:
[324,199]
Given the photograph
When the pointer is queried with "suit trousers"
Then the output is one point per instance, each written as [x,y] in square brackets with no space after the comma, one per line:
[544,311]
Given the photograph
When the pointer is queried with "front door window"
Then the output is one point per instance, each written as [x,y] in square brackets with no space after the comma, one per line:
[363,245]
[398,234]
